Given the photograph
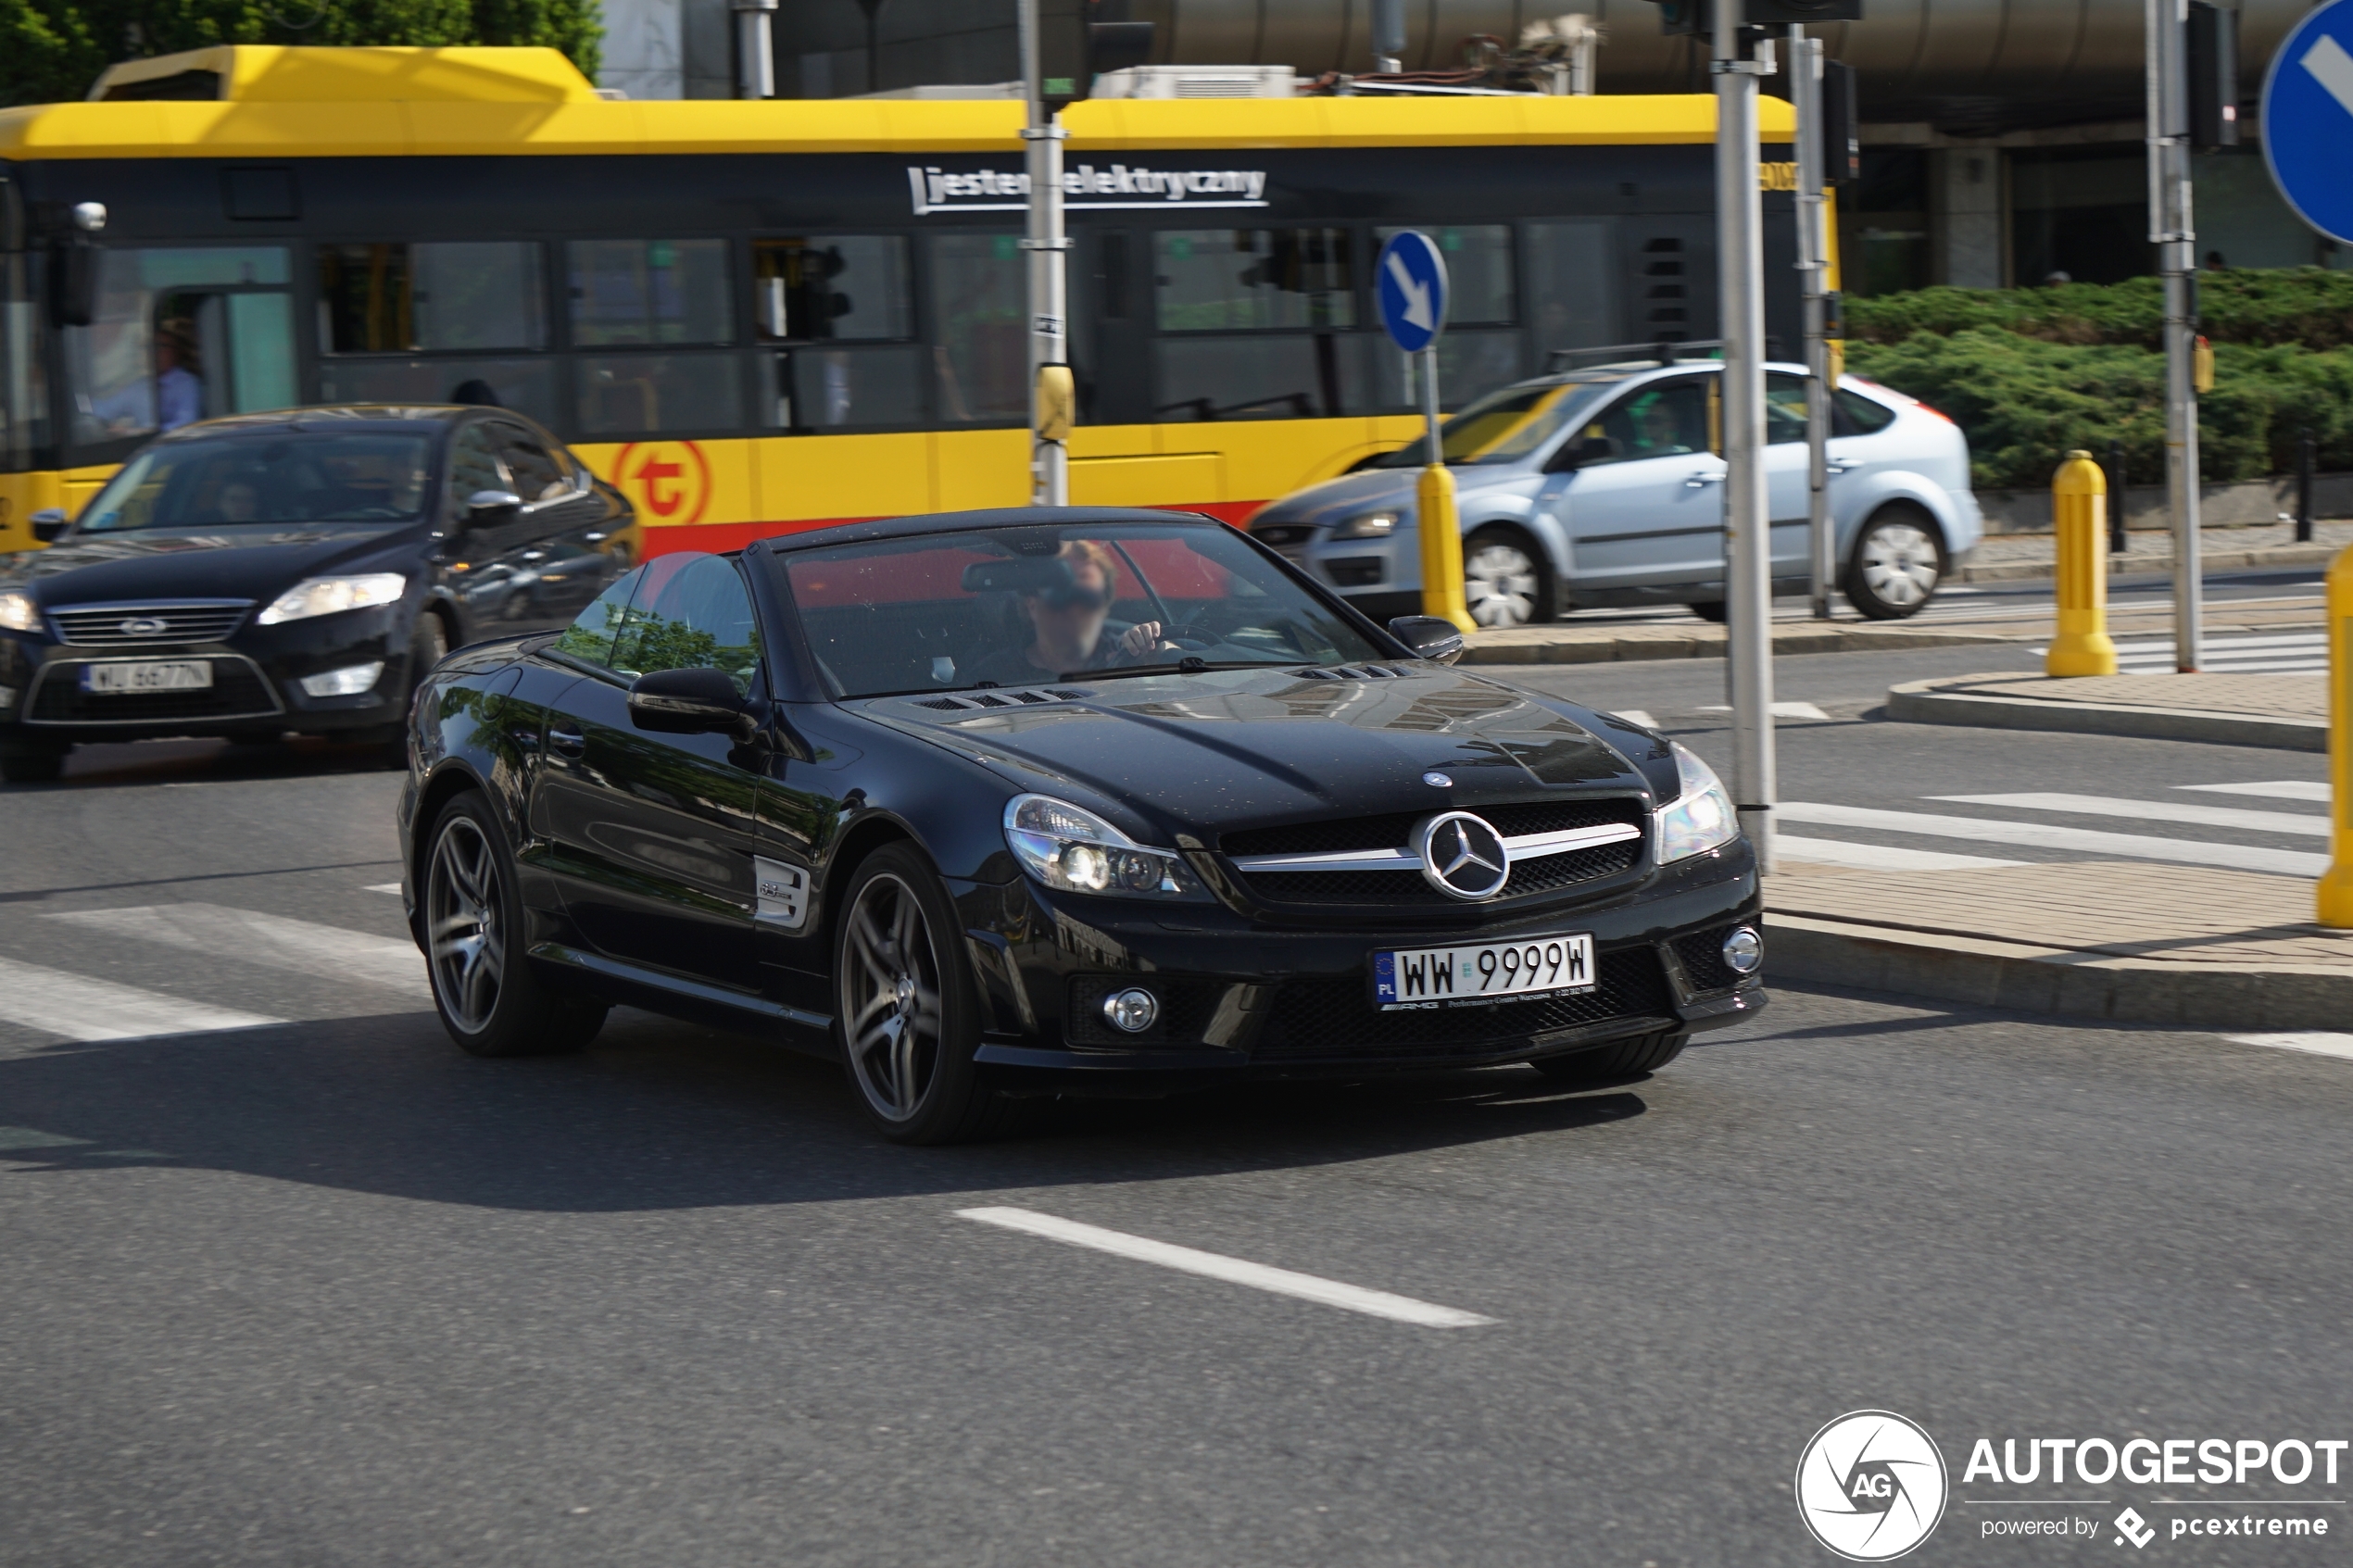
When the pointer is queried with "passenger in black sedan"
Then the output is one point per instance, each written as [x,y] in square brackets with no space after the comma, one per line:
[1067,613]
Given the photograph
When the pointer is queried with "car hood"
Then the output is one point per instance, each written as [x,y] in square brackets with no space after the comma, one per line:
[1206,754]
[1337,499]
[228,563]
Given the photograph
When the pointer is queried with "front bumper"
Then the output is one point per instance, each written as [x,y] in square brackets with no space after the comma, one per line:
[1240,999]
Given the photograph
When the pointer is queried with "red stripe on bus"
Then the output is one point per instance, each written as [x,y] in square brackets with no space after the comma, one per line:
[718,537]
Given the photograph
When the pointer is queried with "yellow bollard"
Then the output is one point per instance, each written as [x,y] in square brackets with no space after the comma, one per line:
[2337,885]
[2079,512]
[1442,536]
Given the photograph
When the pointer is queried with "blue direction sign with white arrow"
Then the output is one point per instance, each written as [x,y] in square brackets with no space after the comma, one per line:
[1410,280]
[2307,120]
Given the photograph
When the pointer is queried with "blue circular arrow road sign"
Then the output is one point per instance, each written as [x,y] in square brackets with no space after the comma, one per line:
[1410,281]
[2307,120]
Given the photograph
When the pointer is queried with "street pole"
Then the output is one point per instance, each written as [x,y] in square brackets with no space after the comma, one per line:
[1748,578]
[755,53]
[2174,233]
[1048,249]
[1805,68]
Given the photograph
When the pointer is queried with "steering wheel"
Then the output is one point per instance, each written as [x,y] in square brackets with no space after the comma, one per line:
[1188,638]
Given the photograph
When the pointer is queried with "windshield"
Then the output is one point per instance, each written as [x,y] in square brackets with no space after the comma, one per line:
[1018,606]
[292,478]
[1503,426]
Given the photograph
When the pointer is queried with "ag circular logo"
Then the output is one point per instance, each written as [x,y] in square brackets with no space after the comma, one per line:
[1871,1486]
[1463,856]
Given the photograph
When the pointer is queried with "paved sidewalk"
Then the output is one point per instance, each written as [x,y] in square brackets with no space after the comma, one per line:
[2128,940]
[2013,557]
[2289,711]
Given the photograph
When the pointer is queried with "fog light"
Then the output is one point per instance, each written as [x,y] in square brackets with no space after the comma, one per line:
[1743,951]
[349,681]
[1131,1010]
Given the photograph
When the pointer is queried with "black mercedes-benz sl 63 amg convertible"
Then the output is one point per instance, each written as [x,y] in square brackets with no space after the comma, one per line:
[998,805]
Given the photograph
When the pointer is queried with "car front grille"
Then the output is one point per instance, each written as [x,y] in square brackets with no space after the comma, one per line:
[161,621]
[238,691]
[1335,1020]
[1548,873]
[1286,538]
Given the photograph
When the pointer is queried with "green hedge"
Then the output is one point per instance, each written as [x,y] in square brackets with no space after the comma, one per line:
[2031,373]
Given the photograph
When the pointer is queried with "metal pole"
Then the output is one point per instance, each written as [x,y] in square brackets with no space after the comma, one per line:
[1048,251]
[1805,68]
[2172,231]
[2304,456]
[2117,543]
[1389,36]
[755,58]
[1748,579]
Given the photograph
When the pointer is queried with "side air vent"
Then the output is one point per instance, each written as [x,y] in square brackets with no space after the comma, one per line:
[1011,698]
[1351,672]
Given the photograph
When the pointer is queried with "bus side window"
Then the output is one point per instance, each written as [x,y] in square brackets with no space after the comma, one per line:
[849,299]
[182,334]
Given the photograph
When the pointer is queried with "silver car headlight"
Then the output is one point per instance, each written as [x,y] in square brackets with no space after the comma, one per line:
[1075,851]
[1702,817]
[18,613]
[1367,525]
[330,596]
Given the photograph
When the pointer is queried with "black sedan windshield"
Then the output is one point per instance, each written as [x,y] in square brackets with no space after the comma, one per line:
[292,478]
[1013,607]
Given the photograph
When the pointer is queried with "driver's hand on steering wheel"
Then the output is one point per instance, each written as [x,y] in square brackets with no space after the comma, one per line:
[1139,639]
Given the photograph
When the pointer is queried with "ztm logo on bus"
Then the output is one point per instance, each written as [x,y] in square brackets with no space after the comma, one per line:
[669,480]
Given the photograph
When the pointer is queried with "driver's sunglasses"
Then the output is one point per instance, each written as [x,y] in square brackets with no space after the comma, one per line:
[1075,598]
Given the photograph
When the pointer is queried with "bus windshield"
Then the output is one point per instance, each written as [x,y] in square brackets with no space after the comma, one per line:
[295,478]
[1503,426]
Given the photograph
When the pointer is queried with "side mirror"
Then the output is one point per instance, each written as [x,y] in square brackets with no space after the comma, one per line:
[486,509]
[686,702]
[48,524]
[1431,637]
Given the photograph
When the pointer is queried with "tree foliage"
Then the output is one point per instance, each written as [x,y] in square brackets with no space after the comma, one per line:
[52,50]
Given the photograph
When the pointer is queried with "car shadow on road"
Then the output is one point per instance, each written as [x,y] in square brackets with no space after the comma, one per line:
[661,1115]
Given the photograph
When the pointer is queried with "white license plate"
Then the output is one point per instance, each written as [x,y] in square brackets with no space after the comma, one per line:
[157,675]
[1438,977]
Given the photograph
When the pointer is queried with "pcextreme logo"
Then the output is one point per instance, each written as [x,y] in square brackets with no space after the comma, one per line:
[670,481]
[1871,1486]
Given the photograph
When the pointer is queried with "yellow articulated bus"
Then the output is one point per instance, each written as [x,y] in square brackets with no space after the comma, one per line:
[759,317]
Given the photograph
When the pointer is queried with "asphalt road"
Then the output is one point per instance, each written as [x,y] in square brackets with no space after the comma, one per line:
[325,1291]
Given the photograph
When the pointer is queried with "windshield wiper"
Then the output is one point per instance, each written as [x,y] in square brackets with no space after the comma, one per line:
[1181,667]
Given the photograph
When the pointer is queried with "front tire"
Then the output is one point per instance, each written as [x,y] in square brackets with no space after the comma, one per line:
[1619,1059]
[490,999]
[33,763]
[1506,580]
[1896,565]
[909,1014]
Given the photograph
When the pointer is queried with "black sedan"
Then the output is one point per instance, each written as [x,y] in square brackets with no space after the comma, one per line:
[997,804]
[293,572]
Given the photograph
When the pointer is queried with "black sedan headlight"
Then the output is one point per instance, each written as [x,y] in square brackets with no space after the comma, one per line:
[1073,850]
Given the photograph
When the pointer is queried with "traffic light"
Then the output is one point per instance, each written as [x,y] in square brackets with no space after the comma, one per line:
[1842,148]
[1079,40]
[2214,76]
[1698,16]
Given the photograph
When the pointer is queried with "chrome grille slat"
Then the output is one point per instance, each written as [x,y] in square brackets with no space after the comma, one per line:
[184,620]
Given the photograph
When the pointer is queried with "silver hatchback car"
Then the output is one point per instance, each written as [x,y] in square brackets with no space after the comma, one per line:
[1603,487]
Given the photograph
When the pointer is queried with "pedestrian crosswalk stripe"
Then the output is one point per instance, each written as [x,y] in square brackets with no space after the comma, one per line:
[325,952]
[1878,857]
[1805,710]
[2154,811]
[57,1002]
[2318,1042]
[1638,716]
[2276,789]
[1988,830]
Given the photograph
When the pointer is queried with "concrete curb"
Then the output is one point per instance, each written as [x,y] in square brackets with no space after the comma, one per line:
[1932,702]
[1563,644]
[2124,565]
[2073,985]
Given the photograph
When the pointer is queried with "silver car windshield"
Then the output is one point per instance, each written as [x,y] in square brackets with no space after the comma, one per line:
[1505,426]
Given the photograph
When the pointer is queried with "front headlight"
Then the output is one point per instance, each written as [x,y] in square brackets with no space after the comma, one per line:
[18,613]
[327,596]
[1702,818]
[1367,525]
[1078,852]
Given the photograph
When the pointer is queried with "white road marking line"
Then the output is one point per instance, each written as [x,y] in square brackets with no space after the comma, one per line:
[2228,643]
[2153,811]
[2318,1044]
[1989,829]
[33,1137]
[2274,789]
[78,1008]
[1640,716]
[390,887]
[326,952]
[1213,1266]
[1780,710]
[2333,68]
[1878,857]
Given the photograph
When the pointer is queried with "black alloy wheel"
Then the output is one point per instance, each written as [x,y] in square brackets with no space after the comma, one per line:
[1618,1058]
[909,1019]
[490,999]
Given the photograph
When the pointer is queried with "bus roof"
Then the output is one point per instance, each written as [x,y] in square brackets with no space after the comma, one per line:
[273,101]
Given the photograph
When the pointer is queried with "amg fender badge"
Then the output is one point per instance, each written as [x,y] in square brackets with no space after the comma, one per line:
[783,892]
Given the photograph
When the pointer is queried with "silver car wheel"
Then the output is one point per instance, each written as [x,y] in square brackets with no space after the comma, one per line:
[1897,562]
[889,987]
[462,901]
[1499,584]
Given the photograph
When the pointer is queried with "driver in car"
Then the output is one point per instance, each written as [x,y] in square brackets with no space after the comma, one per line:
[1068,616]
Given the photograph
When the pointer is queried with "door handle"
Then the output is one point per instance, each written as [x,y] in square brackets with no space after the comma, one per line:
[571,743]
[1702,478]
[1836,468]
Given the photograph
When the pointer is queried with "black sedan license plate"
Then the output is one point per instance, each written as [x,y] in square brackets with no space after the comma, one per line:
[148,675]
[1487,971]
